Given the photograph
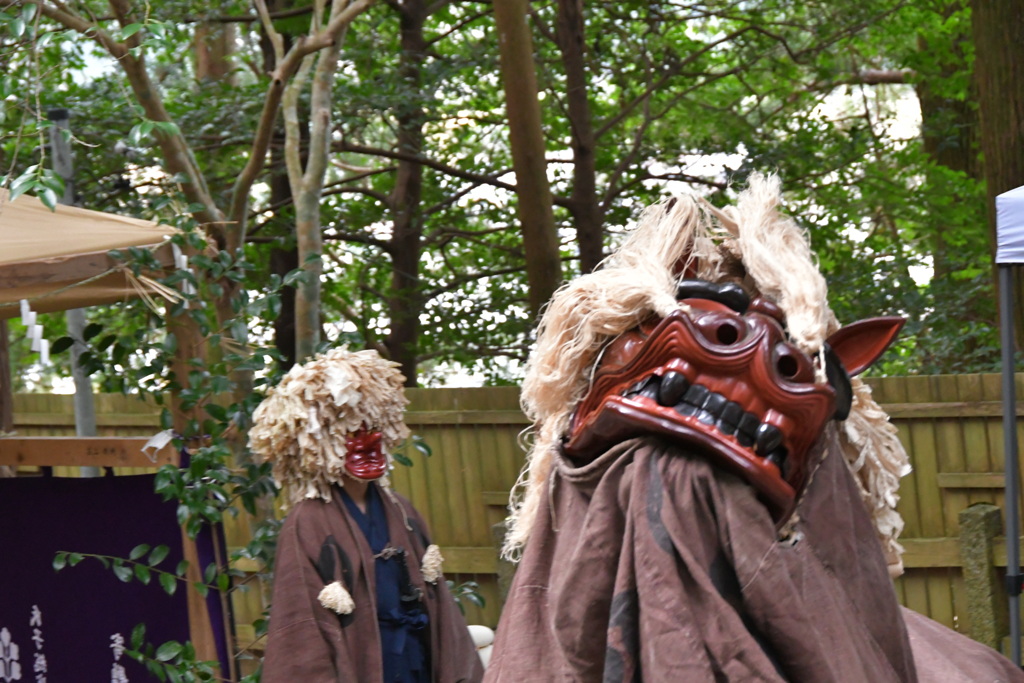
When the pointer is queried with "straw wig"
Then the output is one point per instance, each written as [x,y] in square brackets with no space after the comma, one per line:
[302,423]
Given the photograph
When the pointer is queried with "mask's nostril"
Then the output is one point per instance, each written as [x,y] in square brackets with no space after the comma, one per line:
[787,366]
[727,334]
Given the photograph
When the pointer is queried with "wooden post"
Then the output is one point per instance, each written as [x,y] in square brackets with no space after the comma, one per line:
[6,388]
[190,347]
[986,598]
[6,392]
[85,408]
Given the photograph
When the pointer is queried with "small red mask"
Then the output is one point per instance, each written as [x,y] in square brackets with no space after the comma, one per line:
[725,379]
[364,457]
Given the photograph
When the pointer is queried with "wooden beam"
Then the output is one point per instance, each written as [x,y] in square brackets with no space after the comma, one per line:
[482,560]
[921,553]
[69,268]
[495,498]
[971,480]
[119,420]
[73,451]
[948,409]
[932,553]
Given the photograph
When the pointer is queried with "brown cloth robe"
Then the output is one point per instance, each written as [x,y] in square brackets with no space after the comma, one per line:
[650,564]
[308,643]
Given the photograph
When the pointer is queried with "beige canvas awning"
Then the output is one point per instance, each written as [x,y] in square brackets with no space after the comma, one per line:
[60,259]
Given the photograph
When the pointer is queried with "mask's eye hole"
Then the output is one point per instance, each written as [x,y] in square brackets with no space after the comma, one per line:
[719,327]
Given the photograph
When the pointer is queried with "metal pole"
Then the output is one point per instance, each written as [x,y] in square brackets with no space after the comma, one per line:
[85,409]
[1013,574]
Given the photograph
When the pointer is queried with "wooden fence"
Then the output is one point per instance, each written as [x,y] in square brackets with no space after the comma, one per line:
[951,425]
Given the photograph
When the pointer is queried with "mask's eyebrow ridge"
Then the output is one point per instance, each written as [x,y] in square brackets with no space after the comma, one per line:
[727,293]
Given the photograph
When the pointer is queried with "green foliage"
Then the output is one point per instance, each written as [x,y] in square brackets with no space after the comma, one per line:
[171,661]
[684,98]
[468,591]
[418,443]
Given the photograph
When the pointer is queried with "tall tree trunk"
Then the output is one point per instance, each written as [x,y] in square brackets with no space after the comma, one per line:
[307,177]
[949,126]
[307,294]
[540,237]
[998,29]
[584,204]
[214,45]
[405,301]
[283,260]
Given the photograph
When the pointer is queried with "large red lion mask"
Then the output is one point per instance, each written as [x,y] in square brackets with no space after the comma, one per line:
[721,375]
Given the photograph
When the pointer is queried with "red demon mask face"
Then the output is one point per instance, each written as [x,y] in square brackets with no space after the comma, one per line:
[725,379]
[364,457]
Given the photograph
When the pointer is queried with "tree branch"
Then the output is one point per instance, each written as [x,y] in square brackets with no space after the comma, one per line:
[429,163]
[284,70]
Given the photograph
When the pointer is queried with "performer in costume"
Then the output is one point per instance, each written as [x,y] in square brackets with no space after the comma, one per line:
[711,492]
[358,590]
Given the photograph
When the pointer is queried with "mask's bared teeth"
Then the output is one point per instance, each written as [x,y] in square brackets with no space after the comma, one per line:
[732,413]
[650,388]
[634,389]
[729,418]
[746,431]
[696,395]
[715,403]
[767,439]
[686,410]
[778,458]
[673,387]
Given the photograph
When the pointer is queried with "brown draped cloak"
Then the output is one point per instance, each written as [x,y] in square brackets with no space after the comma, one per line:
[650,564]
[308,643]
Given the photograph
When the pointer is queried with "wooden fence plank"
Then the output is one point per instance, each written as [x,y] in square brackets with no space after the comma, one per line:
[74,451]
[950,454]
[950,424]
[469,560]
[922,553]
[971,480]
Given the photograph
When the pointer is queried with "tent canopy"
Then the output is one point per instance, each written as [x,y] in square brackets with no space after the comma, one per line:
[60,259]
[1010,226]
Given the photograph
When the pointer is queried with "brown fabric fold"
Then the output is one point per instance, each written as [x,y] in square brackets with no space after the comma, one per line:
[649,564]
[309,643]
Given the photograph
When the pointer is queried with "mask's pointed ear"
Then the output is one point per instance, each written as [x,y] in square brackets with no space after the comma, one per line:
[859,344]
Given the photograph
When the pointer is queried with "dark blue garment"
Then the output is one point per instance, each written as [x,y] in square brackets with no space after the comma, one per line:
[401,623]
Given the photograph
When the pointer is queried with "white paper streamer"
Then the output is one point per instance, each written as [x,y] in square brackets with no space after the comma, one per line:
[36,335]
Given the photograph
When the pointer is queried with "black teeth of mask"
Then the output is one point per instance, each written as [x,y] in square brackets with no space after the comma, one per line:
[778,457]
[673,387]
[767,439]
[696,395]
[714,410]
[651,387]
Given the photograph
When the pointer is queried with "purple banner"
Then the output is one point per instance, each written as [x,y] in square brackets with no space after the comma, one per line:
[73,625]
